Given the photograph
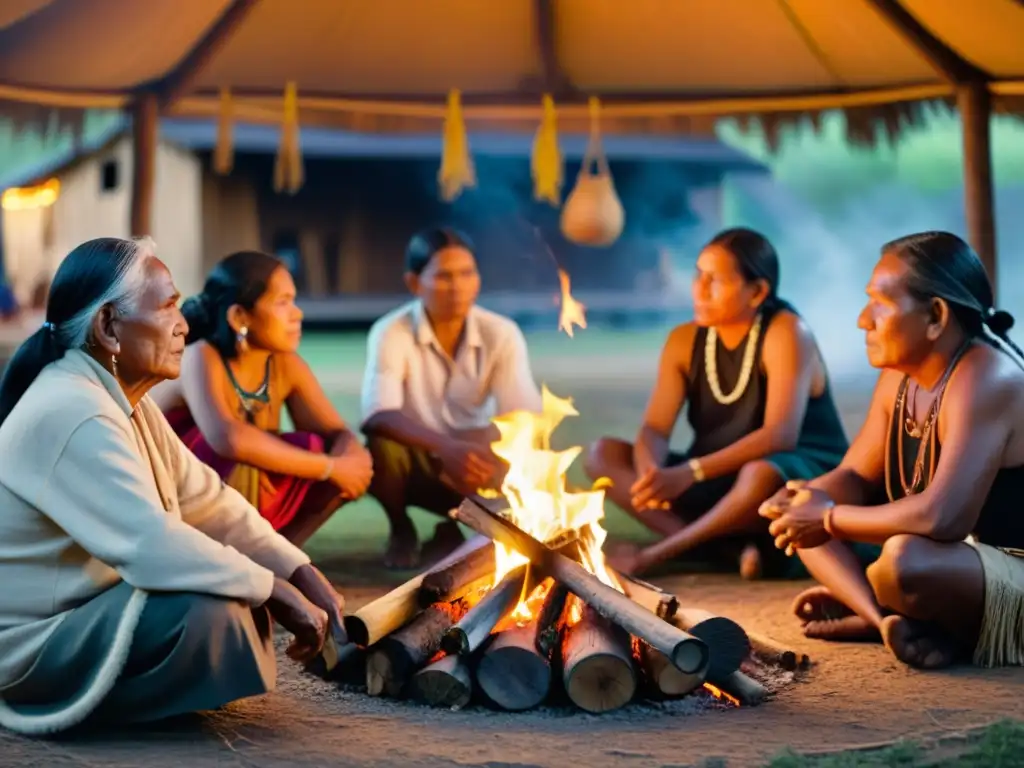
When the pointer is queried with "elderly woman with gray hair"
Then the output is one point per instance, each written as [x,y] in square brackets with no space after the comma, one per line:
[138,585]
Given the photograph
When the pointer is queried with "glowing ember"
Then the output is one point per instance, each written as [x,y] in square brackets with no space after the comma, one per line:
[535,491]
[572,312]
[721,695]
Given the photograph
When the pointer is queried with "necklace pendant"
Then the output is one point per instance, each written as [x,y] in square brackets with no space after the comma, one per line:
[912,429]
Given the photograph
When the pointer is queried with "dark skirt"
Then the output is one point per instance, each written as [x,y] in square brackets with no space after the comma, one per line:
[188,652]
[701,497]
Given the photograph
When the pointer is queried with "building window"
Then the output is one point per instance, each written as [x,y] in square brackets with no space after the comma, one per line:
[110,175]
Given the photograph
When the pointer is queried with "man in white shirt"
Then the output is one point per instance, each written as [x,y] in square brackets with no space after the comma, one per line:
[438,370]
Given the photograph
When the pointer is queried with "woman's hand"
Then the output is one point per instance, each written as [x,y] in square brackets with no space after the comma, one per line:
[625,558]
[658,488]
[352,471]
[315,587]
[798,517]
[305,621]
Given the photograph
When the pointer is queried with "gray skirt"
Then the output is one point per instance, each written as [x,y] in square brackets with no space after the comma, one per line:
[189,652]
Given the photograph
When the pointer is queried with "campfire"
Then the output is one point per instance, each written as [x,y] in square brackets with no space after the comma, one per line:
[528,611]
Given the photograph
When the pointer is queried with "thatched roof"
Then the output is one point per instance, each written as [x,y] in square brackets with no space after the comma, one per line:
[387,65]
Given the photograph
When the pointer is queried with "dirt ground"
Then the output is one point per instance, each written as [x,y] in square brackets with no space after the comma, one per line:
[854,695]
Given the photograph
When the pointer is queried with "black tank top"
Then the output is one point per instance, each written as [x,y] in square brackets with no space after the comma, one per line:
[1000,523]
[716,425]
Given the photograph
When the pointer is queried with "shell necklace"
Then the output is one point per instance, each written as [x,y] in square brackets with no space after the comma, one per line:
[711,364]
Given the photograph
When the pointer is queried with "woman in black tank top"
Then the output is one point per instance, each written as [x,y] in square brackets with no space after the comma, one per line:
[936,475]
[759,404]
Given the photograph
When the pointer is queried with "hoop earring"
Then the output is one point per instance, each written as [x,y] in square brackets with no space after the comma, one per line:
[242,338]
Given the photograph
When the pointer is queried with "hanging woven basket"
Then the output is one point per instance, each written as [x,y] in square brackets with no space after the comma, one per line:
[593,214]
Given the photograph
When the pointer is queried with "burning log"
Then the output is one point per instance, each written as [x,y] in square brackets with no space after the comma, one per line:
[597,664]
[663,679]
[659,602]
[514,670]
[444,683]
[775,653]
[459,578]
[726,640]
[394,659]
[475,627]
[384,615]
[685,651]
[743,689]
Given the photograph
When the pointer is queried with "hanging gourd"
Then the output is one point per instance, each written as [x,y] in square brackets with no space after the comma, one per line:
[457,171]
[546,160]
[288,170]
[224,151]
[592,214]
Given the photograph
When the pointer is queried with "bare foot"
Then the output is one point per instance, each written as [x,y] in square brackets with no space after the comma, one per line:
[402,553]
[917,644]
[750,563]
[824,617]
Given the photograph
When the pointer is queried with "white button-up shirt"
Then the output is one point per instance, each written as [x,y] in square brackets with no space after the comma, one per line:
[408,371]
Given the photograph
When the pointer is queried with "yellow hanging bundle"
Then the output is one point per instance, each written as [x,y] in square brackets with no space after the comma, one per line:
[457,171]
[546,161]
[224,152]
[288,171]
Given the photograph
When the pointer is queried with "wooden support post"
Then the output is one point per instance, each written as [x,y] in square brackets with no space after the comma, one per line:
[145,134]
[975,105]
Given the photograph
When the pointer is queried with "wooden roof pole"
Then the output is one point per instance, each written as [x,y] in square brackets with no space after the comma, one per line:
[974,103]
[153,98]
[553,79]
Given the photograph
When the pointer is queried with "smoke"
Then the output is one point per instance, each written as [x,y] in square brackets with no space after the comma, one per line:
[826,259]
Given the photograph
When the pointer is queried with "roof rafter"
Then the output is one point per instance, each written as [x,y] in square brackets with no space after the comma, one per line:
[949,64]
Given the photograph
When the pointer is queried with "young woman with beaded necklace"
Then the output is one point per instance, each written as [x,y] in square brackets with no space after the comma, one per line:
[944,442]
[759,404]
[240,370]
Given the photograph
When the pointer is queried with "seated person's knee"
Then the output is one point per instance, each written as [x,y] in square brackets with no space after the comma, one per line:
[896,575]
[390,458]
[758,477]
[605,453]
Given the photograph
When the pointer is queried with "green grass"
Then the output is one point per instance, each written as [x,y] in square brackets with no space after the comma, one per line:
[998,746]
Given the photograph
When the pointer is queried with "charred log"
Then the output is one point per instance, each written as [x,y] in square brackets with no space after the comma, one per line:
[727,642]
[444,683]
[597,663]
[659,602]
[382,616]
[395,658]
[475,627]
[456,579]
[514,670]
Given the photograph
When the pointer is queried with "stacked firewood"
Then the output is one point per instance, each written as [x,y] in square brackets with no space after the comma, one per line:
[450,635]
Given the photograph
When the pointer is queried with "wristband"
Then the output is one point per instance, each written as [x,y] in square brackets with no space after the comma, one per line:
[696,469]
[326,474]
[826,520]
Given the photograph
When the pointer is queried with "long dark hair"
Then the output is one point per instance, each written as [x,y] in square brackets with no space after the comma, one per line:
[426,243]
[942,266]
[756,259]
[240,278]
[101,272]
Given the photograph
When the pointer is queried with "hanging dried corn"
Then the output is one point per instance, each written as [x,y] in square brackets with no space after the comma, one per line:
[224,151]
[546,160]
[457,171]
[288,170]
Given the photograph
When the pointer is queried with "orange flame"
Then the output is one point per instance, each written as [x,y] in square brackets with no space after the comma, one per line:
[535,490]
[721,695]
[572,312]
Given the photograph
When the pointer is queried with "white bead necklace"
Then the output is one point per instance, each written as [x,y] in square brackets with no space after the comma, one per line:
[711,364]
